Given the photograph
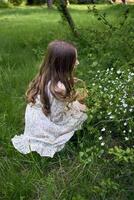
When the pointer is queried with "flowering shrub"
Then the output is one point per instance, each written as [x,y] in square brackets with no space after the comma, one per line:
[112,92]
[110,116]
[108,150]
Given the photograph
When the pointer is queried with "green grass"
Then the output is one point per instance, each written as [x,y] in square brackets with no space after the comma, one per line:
[24,35]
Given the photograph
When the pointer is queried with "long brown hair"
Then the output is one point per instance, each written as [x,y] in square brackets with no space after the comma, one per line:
[57,65]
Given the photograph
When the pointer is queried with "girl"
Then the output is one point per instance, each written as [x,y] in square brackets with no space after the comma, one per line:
[53,114]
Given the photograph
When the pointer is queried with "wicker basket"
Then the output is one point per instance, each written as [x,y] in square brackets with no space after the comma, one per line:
[81,90]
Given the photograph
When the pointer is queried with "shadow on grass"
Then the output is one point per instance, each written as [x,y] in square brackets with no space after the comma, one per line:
[28,10]
[83,9]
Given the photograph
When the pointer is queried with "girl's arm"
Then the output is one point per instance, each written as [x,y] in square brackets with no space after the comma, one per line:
[81,90]
[78,106]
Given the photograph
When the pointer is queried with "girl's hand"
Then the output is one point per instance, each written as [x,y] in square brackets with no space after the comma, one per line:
[79,106]
[83,107]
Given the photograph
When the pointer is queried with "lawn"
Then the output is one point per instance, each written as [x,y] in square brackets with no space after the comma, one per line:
[99,166]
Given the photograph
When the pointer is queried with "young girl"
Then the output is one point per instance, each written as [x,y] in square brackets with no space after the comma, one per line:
[52,114]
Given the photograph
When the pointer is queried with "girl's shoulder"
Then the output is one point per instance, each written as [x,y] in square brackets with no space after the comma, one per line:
[60,87]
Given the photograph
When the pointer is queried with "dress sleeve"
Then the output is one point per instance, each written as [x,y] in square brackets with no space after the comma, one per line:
[75,105]
[60,110]
[57,106]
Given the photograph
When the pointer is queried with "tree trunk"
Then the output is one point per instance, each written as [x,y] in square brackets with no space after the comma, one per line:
[49,3]
[62,7]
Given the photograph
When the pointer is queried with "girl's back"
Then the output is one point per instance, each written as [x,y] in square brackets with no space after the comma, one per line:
[50,120]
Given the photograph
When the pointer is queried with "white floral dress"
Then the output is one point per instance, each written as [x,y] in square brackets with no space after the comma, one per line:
[48,135]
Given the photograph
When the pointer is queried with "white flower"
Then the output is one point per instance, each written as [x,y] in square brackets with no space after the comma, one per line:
[119,71]
[102,144]
[130,131]
[111,117]
[126,138]
[125,123]
[124,131]
[109,113]
[130,109]
[125,105]
[100,138]
[93,84]
[103,129]
[105,89]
